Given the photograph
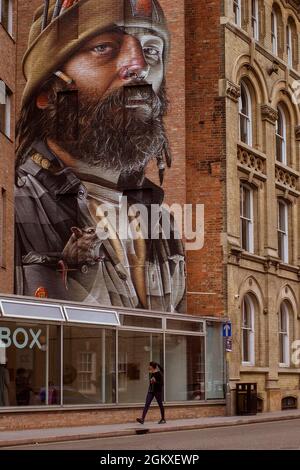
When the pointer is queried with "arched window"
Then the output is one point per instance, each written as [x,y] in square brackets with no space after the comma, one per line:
[281,153]
[255,19]
[284,340]
[237,10]
[274,31]
[292,46]
[248,346]
[247,219]
[289,45]
[283,231]
[245,113]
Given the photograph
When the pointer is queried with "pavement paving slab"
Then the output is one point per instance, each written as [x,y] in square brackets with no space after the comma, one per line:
[64,434]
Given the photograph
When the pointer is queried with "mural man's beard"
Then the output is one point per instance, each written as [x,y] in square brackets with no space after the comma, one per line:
[123,131]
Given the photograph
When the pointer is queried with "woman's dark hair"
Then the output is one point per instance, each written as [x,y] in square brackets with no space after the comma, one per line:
[155,365]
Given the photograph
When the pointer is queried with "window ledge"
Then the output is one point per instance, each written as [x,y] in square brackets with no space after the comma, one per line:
[288,370]
[253,257]
[258,370]
[289,267]
[234,28]
[251,149]
[247,365]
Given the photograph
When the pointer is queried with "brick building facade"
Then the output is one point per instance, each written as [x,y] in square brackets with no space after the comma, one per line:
[8,31]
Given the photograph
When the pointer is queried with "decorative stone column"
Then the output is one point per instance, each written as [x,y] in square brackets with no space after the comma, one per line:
[269,117]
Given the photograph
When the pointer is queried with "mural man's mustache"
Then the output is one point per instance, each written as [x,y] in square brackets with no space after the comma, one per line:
[123,131]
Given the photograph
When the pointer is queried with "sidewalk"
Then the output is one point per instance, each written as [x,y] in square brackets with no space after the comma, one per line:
[37,436]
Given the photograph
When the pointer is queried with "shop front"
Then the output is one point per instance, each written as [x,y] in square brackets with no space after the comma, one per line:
[65,356]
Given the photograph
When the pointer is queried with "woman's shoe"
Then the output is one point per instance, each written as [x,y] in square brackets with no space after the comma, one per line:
[140,420]
[162,421]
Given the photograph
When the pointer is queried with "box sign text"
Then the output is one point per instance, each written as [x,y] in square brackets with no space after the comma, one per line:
[21,338]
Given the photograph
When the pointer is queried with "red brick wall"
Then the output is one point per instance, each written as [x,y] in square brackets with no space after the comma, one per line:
[62,418]
[205,150]
[7,74]
[196,127]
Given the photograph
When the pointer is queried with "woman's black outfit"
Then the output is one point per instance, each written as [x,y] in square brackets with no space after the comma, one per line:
[155,391]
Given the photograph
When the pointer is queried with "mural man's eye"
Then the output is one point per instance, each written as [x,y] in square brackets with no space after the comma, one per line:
[103,49]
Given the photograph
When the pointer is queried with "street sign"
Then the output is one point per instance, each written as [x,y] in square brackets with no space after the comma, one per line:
[228,344]
[227,330]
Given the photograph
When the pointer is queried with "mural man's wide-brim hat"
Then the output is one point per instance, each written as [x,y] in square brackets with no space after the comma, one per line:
[49,49]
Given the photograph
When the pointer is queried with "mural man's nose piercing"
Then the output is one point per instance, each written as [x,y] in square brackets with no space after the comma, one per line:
[137,74]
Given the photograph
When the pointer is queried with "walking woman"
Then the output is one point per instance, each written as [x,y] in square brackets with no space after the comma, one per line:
[155,391]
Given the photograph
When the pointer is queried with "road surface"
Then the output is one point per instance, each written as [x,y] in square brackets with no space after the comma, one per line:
[281,435]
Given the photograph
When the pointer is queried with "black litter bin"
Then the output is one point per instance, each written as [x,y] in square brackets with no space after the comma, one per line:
[246,399]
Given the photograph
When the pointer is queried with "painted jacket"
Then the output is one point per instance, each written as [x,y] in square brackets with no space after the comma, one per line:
[48,205]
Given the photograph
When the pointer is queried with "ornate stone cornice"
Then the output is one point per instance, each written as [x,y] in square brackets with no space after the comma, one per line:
[269,114]
[233,91]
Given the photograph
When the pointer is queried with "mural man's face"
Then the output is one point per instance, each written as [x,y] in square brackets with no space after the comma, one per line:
[110,60]
[117,130]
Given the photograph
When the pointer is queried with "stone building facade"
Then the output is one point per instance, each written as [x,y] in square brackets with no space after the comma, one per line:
[261,253]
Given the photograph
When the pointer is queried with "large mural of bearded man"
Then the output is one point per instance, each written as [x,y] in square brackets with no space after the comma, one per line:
[92,118]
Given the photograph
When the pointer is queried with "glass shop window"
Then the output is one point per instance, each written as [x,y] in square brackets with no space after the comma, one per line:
[185,371]
[23,364]
[136,350]
[89,366]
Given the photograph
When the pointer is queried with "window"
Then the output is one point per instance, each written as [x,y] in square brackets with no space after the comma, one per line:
[274,32]
[289,45]
[214,373]
[87,372]
[237,12]
[284,346]
[283,245]
[6,15]
[184,368]
[289,403]
[23,354]
[135,350]
[2,227]
[255,19]
[245,113]
[246,214]
[281,153]
[248,330]
[89,356]
[5,109]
